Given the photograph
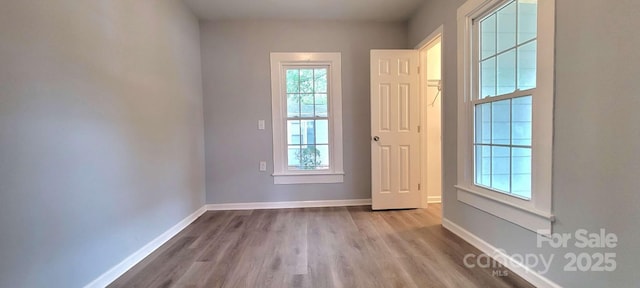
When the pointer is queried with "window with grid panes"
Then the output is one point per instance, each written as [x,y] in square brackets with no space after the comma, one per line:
[506,65]
[307,117]
[505,109]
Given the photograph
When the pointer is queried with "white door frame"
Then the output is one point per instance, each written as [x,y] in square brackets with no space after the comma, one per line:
[436,35]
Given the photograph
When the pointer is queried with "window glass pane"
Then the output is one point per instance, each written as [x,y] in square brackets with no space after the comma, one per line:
[293,105]
[293,77]
[521,111]
[488,78]
[488,36]
[308,132]
[504,67]
[306,105]
[483,123]
[501,122]
[293,156]
[323,156]
[293,132]
[501,168]
[308,157]
[507,27]
[477,129]
[322,131]
[306,80]
[507,72]
[483,165]
[527,20]
[321,105]
[527,66]
[521,172]
[320,80]
[296,139]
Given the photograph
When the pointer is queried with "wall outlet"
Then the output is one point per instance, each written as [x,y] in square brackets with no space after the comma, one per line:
[263,165]
[260,124]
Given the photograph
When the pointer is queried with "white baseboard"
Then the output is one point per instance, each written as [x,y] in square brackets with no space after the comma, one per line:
[289,204]
[434,199]
[526,273]
[124,266]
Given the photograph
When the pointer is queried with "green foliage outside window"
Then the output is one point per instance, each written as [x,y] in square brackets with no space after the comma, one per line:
[303,83]
[309,157]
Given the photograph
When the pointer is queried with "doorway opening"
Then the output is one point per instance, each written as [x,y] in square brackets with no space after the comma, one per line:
[431,90]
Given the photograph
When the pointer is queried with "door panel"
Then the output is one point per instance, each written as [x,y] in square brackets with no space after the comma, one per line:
[395,150]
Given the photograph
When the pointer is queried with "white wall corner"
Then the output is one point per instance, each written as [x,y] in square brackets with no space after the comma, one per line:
[118,270]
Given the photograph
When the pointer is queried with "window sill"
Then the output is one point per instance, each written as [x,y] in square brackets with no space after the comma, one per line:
[526,217]
[317,178]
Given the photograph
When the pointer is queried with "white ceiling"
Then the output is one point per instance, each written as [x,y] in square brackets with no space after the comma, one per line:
[371,10]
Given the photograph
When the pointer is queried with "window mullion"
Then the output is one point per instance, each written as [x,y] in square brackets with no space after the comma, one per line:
[517,84]
[515,94]
[491,144]
[503,145]
[508,50]
[511,142]
[495,72]
[307,118]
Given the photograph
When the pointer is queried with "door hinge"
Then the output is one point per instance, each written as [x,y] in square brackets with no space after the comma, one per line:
[418,69]
[419,128]
[418,186]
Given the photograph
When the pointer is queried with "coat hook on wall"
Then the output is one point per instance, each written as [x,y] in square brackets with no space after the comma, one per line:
[435,83]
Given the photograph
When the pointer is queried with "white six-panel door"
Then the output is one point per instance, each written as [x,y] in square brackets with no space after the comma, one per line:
[395,140]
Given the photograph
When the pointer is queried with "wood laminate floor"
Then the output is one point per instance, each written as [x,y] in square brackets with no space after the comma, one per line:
[315,247]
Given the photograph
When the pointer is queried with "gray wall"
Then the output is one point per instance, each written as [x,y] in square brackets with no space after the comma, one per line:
[237,93]
[101,134]
[596,159]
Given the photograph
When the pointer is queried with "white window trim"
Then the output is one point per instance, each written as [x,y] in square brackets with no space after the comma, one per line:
[534,214]
[281,173]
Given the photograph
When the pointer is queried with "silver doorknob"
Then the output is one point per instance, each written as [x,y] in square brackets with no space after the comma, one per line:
[376,138]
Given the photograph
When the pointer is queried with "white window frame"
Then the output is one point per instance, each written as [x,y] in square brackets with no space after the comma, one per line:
[534,214]
[281,173]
